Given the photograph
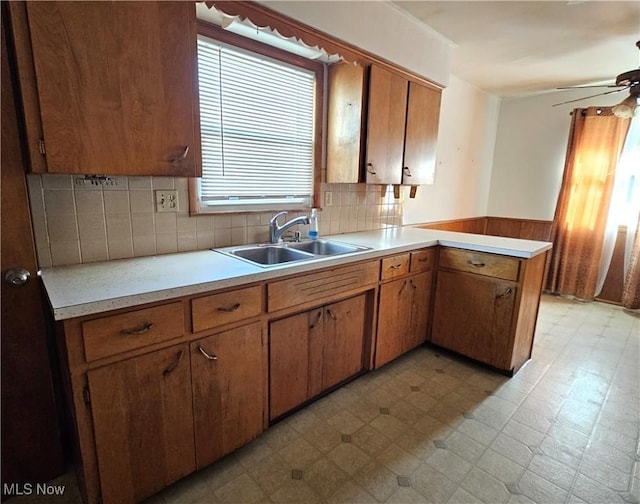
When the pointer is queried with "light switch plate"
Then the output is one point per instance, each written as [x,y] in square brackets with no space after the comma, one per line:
[328,198]
[166,200]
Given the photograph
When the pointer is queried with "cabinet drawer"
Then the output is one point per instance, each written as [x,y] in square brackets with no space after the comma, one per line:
[422,260]
[395,266]
[321,285]
[481,263]
[120,333]
[219,309]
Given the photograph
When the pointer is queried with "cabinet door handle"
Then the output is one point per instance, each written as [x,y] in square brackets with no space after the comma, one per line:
[402,288]
[506,293]
[203,352]
[313,324]
[476,264]
[181,157]
[371,169]
[134,331]
[407,171]
[395,266]
[173,366]
[229,309]
[412,284]
[331,314]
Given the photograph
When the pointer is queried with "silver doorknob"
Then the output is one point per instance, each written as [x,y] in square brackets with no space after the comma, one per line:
[17,277]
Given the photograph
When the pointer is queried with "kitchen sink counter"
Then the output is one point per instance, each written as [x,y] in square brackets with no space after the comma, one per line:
[86,289]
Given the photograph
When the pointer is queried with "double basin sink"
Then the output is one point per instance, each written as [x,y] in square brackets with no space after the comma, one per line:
[280,253]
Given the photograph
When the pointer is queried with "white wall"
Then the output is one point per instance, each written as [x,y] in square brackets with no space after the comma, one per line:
[377,27]
[466,137]
[530,150]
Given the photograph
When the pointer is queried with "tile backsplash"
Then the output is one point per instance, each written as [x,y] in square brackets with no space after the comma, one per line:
[79,222]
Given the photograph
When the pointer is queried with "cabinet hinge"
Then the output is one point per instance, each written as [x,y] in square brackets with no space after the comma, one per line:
[41,147]
[86,395]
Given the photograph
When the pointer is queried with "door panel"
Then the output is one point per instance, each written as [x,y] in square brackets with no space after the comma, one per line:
[143,421]
[420,300]
[393,320]
[227,372]
[343,354]
[423,113]
[385,127]
[31,449]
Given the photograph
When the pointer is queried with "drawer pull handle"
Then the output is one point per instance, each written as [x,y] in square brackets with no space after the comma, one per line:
[138,330]
[229,309]
[181,157]
[331,314]
[476,264]
[313,324]
[423,259]
[395,266]
[402,288]
[173,366]
[506,292]
[371,169]
[203,352]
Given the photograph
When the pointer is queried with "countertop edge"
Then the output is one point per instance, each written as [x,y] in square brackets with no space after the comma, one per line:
[496,245]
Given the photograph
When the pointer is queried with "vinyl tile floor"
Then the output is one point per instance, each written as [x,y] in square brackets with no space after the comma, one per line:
[434,428]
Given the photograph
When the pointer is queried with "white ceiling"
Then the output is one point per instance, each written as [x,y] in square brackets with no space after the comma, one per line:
[513,48]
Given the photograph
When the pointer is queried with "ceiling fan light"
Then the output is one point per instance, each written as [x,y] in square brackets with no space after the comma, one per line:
[626,108]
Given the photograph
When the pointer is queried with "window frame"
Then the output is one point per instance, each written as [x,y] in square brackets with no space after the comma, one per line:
[219,34]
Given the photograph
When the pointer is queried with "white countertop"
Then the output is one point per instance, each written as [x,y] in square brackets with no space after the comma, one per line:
[86,289]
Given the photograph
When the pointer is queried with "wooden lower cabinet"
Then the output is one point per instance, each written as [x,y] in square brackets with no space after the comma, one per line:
[473,316]
[143,423]
[313,351]
[228,391]
[486,306]
[403,316]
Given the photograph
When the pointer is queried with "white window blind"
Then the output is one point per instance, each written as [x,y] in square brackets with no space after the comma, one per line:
[257,127]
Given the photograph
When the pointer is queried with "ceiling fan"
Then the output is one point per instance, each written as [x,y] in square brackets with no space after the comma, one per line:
[627,80]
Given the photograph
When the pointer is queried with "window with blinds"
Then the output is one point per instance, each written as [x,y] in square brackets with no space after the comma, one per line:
[257,128]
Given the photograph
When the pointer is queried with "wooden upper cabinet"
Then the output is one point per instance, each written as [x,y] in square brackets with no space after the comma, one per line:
[382,128]
[423,114]
[385,127]
[116,87]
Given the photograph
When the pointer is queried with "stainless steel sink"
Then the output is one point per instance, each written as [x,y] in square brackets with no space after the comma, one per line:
[270,255]
[273,254]
[325,247]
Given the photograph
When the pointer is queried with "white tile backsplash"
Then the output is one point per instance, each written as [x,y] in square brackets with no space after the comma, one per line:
[76,221]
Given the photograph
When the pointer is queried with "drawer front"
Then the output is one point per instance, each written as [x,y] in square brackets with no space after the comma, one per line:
[319,286]
[395,266]
[120,333]
[422,260]
[219,309]
[481,263]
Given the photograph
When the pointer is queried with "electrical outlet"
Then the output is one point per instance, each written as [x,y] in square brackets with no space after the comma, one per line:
[166,200]
[328,198]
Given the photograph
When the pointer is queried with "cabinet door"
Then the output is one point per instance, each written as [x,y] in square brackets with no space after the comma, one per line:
[143,423]
[228,391]
[394,320]
[420,297]
[345,124]
[117,86]
[423,113]
[385,127]
[295,370]
[472,316]
[343,349]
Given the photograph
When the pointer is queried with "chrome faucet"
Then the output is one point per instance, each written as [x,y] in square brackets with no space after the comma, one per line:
[275,231]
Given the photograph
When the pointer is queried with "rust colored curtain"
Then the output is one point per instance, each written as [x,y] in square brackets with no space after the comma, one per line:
[631,292]
[595,142]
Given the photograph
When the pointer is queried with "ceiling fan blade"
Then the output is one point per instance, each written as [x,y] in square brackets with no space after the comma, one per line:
[591,86]
[587,97]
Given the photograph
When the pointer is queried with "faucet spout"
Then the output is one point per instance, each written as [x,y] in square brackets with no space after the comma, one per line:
[275,230]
